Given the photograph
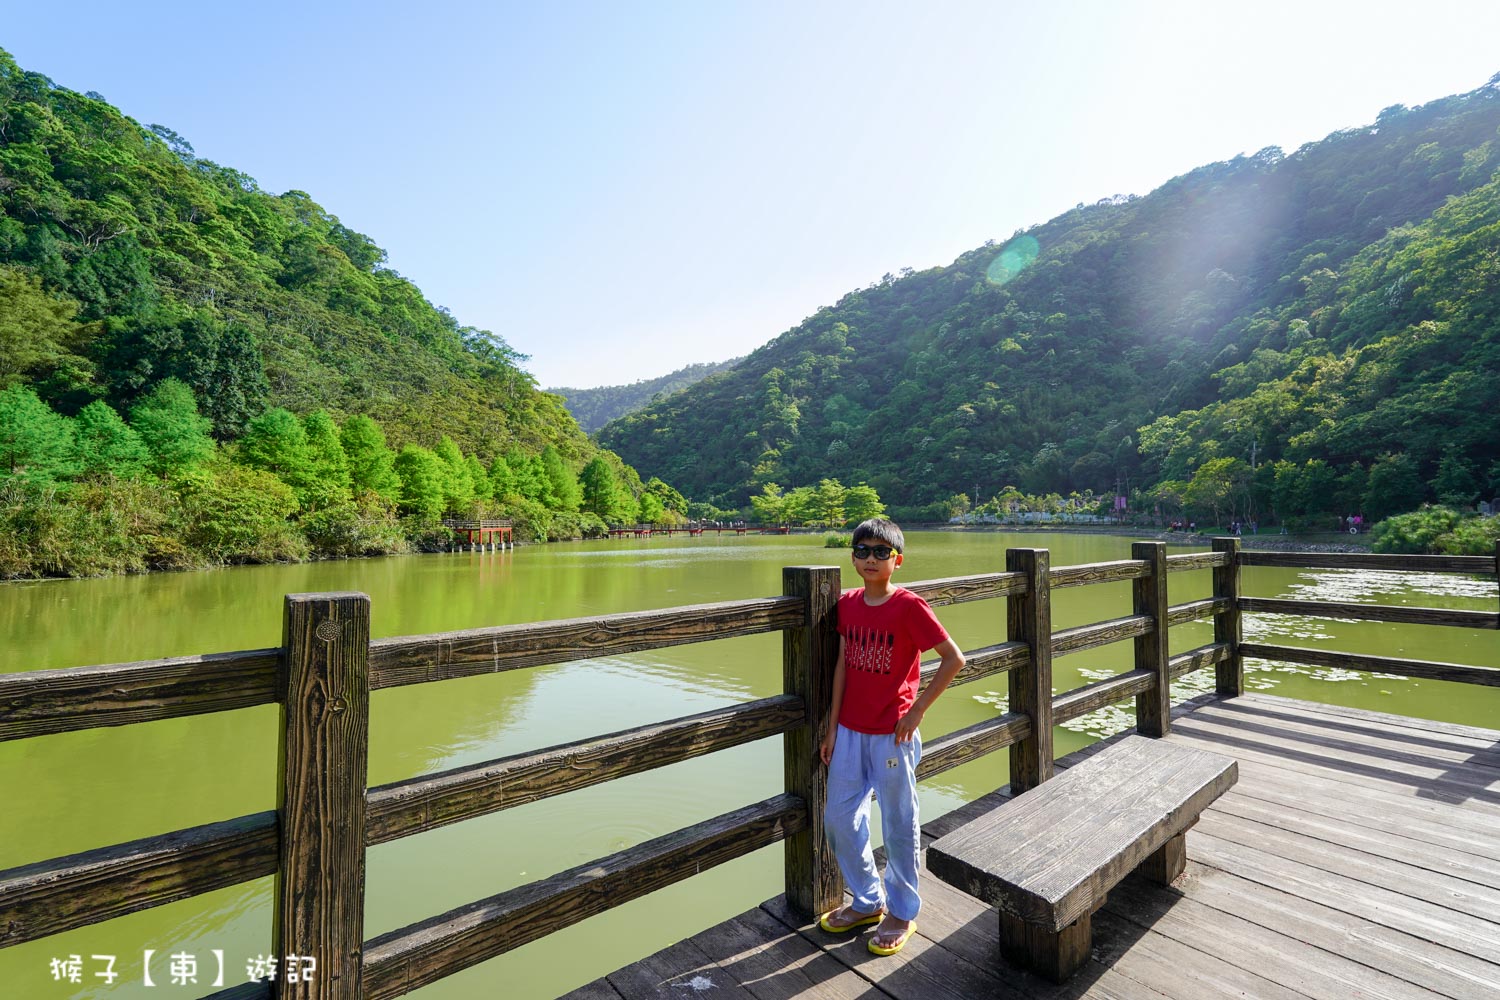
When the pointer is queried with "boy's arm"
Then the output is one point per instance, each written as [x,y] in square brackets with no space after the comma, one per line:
[953,662]
[834,705]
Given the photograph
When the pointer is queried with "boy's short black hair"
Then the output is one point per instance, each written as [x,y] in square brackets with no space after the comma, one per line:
[881,530]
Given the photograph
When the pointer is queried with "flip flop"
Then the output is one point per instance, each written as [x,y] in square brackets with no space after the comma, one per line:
[872,918]
[900,941]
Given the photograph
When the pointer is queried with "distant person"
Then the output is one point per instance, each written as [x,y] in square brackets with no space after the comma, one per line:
[872,743]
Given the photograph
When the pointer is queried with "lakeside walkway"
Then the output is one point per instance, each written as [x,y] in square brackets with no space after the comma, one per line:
[1359,856]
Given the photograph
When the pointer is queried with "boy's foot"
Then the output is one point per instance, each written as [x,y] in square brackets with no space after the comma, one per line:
[891,936]
[846,918]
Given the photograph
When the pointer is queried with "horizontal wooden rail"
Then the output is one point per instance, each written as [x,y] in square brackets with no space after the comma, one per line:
[42,702]
[1367,560]
[1091,697]
[425,803]
[1192,611]
[1427,669]
[1081,637]
[972,742]
[960,589]
[1100,572]
[1197,659]
[1372,612]
[1196,560]
[983,662]
[67,893]
[419,659]
[415,956]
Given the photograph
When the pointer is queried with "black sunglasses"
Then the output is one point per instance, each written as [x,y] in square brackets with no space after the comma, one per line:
[881,552]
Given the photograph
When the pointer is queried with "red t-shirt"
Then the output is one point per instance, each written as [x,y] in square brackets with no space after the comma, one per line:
[882,657]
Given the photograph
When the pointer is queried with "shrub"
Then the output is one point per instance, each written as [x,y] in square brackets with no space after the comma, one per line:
[837,541]
[1437,529]
[236,514]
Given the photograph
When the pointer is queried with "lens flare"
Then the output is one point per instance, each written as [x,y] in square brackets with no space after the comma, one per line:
[1012,260]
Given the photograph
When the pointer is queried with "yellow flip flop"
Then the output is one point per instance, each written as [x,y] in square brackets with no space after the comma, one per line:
[873,918]
[876,949]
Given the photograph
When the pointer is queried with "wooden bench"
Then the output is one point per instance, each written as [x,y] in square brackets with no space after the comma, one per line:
[1049,857]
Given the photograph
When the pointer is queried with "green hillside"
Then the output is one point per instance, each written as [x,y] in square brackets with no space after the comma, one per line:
[1283,334]
[593,408]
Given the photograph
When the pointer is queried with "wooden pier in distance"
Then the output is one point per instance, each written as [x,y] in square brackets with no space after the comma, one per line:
[1358,856]
[497,534]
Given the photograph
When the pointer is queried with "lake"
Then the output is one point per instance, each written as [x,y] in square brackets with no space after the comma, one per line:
[77,791]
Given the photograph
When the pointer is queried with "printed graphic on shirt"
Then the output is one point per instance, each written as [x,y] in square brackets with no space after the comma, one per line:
[869,650]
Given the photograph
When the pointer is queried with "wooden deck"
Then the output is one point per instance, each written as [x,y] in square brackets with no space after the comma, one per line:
[1359,856]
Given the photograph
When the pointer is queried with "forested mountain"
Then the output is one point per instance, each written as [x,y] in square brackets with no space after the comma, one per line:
[124,259]
[593,408]
[1280,327]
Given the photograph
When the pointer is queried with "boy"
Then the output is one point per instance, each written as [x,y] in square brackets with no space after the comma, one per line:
[872,743]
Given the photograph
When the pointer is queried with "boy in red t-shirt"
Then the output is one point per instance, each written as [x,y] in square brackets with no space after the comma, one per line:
[872,743]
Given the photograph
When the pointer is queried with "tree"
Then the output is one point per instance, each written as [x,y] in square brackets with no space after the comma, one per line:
[862,503]
[828,502]
[371,462]
[104,444]
[1456,482]
[276,442]
[769,505]
[37,330]
[35,441]
[458,481]
[563,483]
[1393,487]
[483,489]
[502,480]
[669,497]
[601,493]
[329,481]
[168,422]
[423,480]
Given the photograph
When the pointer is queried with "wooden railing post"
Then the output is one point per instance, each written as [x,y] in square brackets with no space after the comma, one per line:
[1028,619]
[1230,678]
[325,716]
[813,883]
[1153,708]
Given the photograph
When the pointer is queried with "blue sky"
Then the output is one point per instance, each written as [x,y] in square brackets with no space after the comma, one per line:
[620,190]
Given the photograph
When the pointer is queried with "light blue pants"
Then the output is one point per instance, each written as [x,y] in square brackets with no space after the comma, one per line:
[863,763]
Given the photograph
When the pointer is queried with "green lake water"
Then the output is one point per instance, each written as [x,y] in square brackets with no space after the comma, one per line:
[77,791]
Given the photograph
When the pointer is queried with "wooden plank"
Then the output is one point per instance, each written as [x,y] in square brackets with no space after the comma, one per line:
[1051,855]
[1271,952]
[772,961]
[414,956]
[1426,669]
[1491,736]
[1388,842]
[1198,560]
[923,970]
[403,808]
[319,893]
[418,659]
[675,971]
[599,989]
[1100,572]
[1153,707]
[1367,560]
[1193,611]
[1372,612]
[1092,697]
[960,589]
[1386,741]
[1460,895]
[809,655]
[42,702]
[983,662]
[1386,907]
[1426,964]
[1467,785]
[1029,620]
[1197,659]
[245,991]
[972,742]
[81,889]
[1081,637]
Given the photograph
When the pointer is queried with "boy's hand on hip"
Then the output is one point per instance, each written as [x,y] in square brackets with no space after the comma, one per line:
[907,725]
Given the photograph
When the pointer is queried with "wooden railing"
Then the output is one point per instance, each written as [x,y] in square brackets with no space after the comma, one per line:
[315,841]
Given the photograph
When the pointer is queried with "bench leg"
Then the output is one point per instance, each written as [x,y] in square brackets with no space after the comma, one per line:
[1166,862]
[1054,955]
